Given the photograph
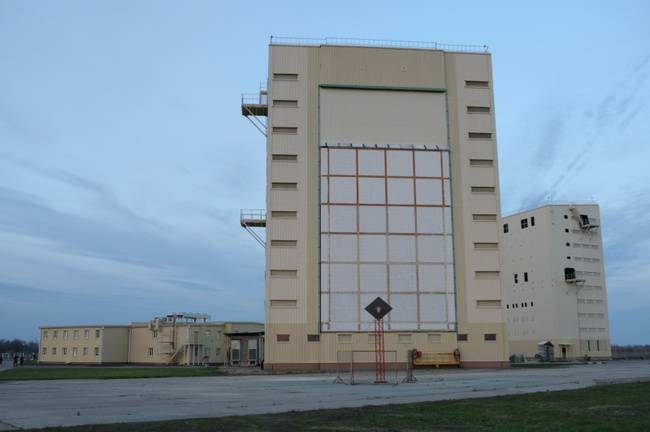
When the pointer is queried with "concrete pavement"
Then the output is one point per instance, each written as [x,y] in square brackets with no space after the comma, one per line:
[32,404]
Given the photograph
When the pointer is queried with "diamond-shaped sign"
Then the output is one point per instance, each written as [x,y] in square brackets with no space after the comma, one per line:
[378,308]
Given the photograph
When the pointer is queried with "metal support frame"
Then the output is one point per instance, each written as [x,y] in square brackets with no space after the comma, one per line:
[253,218]
[255,121]
[255,235]
[380,360]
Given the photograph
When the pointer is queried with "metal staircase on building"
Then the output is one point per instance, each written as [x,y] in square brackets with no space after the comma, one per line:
[255,107]
[253,218]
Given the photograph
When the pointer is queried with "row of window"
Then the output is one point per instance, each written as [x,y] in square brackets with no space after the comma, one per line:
[75,351]
[518,305]
[346,338]
[524,224]
[75,334]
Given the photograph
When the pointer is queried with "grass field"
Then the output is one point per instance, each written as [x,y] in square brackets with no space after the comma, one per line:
[620,407]
[53,373]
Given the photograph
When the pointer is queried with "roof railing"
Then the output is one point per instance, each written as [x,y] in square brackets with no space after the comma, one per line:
[381,43]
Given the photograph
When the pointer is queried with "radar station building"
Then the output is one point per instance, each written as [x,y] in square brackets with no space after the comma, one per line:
[382,181]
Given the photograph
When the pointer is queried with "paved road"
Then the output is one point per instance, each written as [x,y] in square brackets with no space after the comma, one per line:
[30,404]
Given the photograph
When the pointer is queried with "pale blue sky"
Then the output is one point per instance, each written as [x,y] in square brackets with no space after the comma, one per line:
[124,159]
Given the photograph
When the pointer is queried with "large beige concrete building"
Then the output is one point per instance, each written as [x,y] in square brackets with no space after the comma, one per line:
[554,281]
[175,339]
[382,180]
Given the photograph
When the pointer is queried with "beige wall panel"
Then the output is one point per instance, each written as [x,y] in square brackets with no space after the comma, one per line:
[479,123]
[283,257]
[284,171]
[283,199]
[282,229]
[382,117]
[382,66]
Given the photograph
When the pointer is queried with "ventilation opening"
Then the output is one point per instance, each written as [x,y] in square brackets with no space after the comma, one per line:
[286,186]
[284,157]
[479,135]
[313,338]
[282,338]
[484,217]
[494,304]
[486,246]
[344,338]
[473,83]
[483,189]
[461,337]
[285,243]
[478,109]
[434,338]
[285,76]
[486,274]
[288,130]
[481,162]
[285,103]
[283,303]
[284,273]
[490,336]
[284,214]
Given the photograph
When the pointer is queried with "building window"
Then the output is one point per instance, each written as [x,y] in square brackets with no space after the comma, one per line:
[524,223]
[568,257]
[566,217]
[97,351]
[45,334]
[516,278]
[566,230]
[53,351]
[65,351]
[283,304]
[65,334]
[531,304]
[313,338]
[282,338]
[75,351]
[44,350]
[86,334]
[98,333]
[505,228]
[55,334]
[75,334]
[490,336]
[85,351]
[525,276]
[507,306]
[568,244]
[532,221]
[434,338]
[150,352]
[462,337]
